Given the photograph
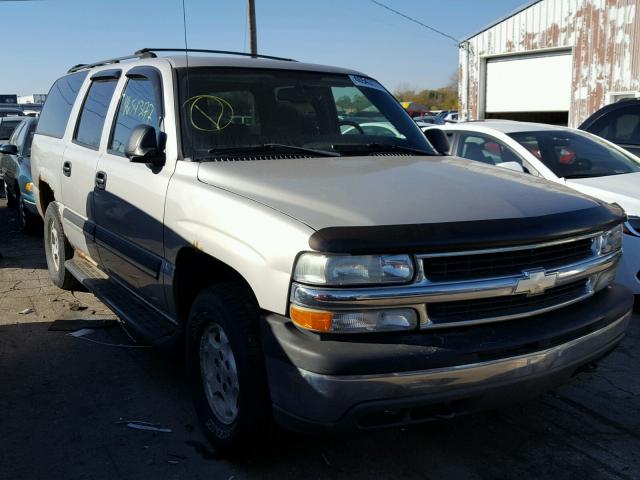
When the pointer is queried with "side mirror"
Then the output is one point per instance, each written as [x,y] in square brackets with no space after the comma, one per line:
[9,149]
[515,166]
[146,145]
[438,139]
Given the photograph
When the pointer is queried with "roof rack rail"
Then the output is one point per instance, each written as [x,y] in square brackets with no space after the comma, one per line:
[219,52]
[85,66]
[150,53]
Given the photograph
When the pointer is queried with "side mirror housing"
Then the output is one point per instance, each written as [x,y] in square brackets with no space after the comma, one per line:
[438,139]
[9,149]
[515,166]
[146,145]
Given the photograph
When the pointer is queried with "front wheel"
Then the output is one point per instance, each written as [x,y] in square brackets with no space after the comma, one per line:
[226,368]
[57,250]
[28,221]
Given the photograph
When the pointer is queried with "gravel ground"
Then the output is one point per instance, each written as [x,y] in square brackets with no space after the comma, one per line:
[62,399]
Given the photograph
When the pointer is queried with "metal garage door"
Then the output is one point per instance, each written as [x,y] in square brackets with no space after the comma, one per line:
[528,84]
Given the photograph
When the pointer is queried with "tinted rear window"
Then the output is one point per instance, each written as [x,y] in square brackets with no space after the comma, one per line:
[57,108]
[620,126]
[7,128]
[94,112]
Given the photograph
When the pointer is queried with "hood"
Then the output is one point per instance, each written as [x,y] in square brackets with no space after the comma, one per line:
[386,190]
[620,189]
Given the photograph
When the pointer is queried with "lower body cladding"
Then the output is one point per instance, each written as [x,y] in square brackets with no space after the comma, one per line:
[350,382]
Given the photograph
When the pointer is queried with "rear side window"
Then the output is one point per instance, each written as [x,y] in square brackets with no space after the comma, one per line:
[13,139]
[141,104]
[94,112]
[57,108]
[29,140]
[620,126]
[7,128]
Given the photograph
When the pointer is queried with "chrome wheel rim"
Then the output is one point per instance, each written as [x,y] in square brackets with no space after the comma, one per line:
[53,244]
[219,373]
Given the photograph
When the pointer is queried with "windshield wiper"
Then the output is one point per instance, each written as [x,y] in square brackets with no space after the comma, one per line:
[272,147]
[380,147]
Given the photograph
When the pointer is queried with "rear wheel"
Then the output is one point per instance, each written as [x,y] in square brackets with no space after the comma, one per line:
[57,250]
[226,368]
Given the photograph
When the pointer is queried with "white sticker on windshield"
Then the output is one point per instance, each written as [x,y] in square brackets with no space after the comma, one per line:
[361,81]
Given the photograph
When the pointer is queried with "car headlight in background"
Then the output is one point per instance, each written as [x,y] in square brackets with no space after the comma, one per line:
[342,270]
[611,240]
[632,226]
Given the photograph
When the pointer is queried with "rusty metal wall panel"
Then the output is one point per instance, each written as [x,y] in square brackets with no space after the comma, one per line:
[604,36]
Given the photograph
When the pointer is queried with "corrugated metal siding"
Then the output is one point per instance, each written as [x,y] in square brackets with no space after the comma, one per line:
[604,35]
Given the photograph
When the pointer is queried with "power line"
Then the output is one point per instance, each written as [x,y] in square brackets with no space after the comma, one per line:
[407,17]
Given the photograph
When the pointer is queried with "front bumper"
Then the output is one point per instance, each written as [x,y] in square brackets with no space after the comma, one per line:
[324,383]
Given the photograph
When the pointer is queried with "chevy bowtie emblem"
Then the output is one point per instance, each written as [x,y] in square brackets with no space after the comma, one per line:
[536,282]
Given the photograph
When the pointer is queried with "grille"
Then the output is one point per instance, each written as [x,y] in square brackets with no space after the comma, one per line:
[513,262]
[495,307]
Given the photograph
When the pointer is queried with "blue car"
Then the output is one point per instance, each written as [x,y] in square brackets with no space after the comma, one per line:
[15,164]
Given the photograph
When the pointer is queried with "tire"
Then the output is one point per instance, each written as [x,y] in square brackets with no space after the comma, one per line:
[11,199]
[28,222]
[233,405]
[57,250]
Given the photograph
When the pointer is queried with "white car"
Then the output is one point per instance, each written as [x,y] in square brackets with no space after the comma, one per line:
[578,159]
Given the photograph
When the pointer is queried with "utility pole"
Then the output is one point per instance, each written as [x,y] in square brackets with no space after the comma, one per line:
[252,27]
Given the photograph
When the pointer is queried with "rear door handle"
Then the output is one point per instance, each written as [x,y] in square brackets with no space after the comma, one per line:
[101,180]
[66,169]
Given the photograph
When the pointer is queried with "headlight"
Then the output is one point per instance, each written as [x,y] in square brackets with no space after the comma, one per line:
[632,226]
[611,240]
[337,270]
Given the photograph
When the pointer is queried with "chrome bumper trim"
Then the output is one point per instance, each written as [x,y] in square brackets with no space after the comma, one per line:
[423,292]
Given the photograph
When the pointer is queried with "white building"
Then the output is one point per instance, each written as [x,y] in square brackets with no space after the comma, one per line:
[553,61]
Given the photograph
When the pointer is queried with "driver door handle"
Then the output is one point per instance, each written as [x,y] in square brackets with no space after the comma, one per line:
[66,169]
[101,180]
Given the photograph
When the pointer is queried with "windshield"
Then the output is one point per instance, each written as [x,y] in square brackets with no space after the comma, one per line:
[576,155]
[228,109]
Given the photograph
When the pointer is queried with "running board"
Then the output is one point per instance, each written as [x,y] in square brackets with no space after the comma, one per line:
[143,320]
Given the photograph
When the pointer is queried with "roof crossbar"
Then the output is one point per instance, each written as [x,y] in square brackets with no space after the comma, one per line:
[219,52]
[85,66]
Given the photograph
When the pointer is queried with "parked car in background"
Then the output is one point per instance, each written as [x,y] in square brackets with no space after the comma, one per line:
[31,109]
[451,117]
[11,112]
[444,113]
[380,129]
[7,126]
[619,123]
[323,278]
[427,120]
[578,159]
[15,165]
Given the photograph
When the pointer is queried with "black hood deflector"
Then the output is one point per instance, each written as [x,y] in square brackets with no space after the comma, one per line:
[469,235]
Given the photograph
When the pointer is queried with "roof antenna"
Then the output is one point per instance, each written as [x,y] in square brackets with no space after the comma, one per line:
[186,56]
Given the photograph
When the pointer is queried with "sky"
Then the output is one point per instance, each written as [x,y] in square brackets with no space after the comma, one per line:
[43,38]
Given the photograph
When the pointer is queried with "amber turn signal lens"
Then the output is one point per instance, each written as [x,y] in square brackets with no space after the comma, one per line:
[315,320]
[28,186]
